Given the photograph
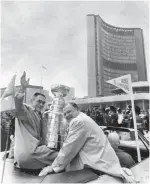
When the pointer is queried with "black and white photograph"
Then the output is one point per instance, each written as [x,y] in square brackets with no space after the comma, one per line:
[74,83]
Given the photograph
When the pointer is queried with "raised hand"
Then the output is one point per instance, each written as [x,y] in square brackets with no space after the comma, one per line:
[23,81]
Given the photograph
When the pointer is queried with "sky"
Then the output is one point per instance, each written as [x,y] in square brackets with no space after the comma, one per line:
[54,34]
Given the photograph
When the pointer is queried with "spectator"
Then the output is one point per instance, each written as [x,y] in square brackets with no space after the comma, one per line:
[127,120]
[88,112]
[99,118]
[120,117]
[147,120]
[140,124]
[92,114]
[113,116]
[107,118]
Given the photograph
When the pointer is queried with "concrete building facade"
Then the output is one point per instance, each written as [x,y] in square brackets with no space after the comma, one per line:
[112,52]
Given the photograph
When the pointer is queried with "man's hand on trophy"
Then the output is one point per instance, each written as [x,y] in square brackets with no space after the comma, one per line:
[46,170]
[23,81]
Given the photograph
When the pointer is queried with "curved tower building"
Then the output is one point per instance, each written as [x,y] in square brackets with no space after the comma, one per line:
[112,52]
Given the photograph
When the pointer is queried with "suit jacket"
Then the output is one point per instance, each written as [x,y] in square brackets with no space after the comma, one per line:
[87,146]
[125,159]
[29,153]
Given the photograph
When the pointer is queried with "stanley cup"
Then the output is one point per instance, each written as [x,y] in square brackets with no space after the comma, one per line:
[55,116]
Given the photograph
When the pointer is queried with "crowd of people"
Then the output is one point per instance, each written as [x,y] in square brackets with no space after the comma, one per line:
[115,116]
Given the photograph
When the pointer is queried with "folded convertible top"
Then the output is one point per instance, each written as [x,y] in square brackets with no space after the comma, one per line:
[11,175]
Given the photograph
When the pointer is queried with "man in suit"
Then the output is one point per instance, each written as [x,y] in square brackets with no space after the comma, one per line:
[29,151]
[85,146]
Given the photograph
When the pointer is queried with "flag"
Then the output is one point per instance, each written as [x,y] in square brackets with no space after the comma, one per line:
[43,67]
[10,88]
[123,82]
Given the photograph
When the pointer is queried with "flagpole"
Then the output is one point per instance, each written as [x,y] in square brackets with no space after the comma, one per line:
[41,84]
[41,78]
[134,120]
[5,155]
[42,69]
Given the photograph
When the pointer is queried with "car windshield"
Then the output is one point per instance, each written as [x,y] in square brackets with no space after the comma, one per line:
[128,138]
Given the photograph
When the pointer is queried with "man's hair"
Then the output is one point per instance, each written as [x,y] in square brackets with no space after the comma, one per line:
[113,109]
[37,94]
[119,110]
[74,105]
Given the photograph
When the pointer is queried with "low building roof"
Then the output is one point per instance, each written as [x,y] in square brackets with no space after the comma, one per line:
[141,84]
[114,98]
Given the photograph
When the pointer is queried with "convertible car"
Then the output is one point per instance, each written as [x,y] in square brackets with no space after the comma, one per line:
[140,170]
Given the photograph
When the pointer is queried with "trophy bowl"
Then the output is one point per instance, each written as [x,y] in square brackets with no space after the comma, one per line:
[59,90]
